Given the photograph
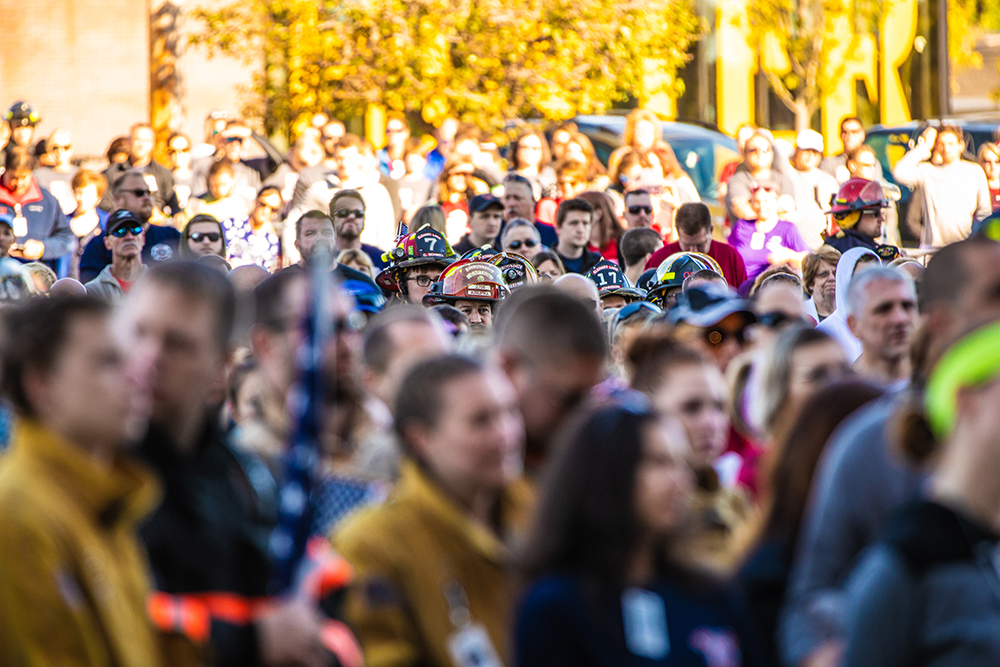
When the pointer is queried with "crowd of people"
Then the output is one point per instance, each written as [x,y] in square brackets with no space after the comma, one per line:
[426,406]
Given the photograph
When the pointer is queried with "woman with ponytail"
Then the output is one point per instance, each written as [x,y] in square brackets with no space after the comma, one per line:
[928,594]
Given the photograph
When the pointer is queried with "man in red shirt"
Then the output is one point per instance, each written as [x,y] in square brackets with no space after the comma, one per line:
[694,233]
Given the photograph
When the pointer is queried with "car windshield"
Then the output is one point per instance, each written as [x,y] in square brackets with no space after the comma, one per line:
[702,153]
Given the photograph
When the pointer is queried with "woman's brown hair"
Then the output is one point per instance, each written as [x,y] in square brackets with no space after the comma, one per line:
[611,226]
[789,468]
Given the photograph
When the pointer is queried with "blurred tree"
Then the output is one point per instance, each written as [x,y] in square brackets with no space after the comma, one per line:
[968,20]
[482,61]
[814,40]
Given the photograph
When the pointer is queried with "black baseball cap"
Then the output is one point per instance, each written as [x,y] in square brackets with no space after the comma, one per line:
[121,218]
[480,203]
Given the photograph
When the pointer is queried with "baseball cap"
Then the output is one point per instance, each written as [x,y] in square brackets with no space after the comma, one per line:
[480,203]
[809,140]
[708,304]
[121,218]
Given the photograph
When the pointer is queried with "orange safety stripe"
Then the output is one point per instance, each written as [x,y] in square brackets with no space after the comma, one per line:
[171,613]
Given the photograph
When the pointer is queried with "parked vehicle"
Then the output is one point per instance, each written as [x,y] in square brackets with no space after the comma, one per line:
[891,142]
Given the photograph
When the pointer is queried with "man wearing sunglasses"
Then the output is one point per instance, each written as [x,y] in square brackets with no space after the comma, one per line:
[485,221]
[159,180]
[124,238]
[638,209]
[347,209]
[713,320]
[130,192]
[521,236]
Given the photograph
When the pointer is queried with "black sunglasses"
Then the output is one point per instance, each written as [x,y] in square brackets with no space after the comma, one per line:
[212,237]
[775,319]
[516,245]
[134,230]
[138,193]
[636,210]
[345,213]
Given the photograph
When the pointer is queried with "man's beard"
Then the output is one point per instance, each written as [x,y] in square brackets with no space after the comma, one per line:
[321,252]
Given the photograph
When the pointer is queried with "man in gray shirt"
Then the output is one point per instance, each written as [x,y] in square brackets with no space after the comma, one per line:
[861,480]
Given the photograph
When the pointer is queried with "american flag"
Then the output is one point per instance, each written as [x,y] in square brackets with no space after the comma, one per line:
[301,460]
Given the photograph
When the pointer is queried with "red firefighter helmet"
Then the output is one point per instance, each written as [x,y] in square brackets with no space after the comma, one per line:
[470,280]
[858,194]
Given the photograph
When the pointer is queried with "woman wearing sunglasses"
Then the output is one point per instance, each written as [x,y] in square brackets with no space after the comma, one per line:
[606,588]
[203,236]
[522,237]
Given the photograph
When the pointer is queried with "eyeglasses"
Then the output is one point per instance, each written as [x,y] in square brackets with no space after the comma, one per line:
[269,207]
[134,230]
[211,237]
[527,243]
[345,213]
[765,188]
[234,140]
[636,210]
[718,336]
[422,281]
[139,193]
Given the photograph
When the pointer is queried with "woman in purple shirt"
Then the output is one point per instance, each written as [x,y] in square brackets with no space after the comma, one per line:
[767,240]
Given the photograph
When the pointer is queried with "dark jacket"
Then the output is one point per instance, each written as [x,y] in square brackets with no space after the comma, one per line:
[211,533]
[161,245]
[764,580]
[588,260]
[859,483]
[850,238]
[927,594]
[561,622]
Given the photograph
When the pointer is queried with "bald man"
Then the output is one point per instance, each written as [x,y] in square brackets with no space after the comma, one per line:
[582,288]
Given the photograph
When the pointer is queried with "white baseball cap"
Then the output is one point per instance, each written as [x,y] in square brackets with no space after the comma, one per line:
[809,140]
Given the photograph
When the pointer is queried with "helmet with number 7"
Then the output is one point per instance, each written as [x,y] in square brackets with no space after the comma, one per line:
[426,246]
[855,196]
[672,272]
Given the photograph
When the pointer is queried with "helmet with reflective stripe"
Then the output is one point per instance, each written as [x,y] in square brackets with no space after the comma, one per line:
[858,194]
[517,271]
[470,280]
[22,113]
[672,272]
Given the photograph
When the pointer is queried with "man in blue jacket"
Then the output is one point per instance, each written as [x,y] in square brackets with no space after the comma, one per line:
[131,193]
[41,228]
